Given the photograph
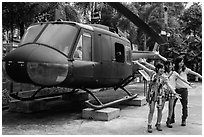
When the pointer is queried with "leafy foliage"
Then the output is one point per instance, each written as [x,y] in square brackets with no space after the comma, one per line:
[22,14]
[192,20]
[184,25]
[17,15]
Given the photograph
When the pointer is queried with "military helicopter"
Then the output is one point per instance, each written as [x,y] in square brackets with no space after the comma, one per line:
[77,56]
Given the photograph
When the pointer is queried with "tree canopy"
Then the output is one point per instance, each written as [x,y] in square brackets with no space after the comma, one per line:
[183,25]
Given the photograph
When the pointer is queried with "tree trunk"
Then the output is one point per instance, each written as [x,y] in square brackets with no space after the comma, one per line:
[145,42]
[11,38]
[21,29]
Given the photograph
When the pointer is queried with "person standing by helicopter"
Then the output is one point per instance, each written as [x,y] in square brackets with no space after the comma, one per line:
[172,77]
[181,88]
[156,93]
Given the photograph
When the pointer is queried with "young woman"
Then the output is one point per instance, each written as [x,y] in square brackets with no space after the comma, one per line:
[181,89]
[156,93]
[172,77]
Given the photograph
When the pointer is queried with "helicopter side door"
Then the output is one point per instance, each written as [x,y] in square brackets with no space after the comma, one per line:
[107,67]
[82,64]
[121,60]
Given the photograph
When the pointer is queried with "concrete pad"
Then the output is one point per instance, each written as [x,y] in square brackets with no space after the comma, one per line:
[79,96]
[27,106]
[105,114]
[138,101]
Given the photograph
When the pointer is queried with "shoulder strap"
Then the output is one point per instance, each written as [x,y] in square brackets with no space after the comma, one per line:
[170,74]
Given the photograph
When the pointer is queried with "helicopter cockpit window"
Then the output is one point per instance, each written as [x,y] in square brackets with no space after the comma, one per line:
[58,36]
[119,52]
[31,33]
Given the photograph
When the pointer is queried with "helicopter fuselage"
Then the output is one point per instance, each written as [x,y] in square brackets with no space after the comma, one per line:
[72,55]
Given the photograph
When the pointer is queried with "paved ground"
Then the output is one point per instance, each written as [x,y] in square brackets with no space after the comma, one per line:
[62,120]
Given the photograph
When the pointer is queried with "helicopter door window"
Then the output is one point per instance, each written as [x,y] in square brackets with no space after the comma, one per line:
[119,52]
[78,51]
[83,49]
[128,54]
[86,48]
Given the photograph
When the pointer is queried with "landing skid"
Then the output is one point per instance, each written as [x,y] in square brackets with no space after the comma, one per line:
[121,85]
[124,99]
[16,96]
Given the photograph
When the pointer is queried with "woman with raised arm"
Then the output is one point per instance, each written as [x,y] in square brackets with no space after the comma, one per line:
[156,93]
[172,77]
[181,88]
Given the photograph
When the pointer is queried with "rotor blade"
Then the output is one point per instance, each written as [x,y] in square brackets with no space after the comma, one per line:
[136,55]
[137,21]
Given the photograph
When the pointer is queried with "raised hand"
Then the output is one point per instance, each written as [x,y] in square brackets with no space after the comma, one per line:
[177,96]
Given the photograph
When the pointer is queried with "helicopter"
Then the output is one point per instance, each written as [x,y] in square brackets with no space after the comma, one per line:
[77,56]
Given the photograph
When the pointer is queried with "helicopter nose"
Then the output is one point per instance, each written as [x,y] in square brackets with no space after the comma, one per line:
[36,64]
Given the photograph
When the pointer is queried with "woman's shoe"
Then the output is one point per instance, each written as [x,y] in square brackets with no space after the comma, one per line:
[158,127]
[168,123]
[183,123]
[149,128]
[172,120]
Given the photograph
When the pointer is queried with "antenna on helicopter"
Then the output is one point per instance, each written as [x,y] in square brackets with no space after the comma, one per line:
[96,15]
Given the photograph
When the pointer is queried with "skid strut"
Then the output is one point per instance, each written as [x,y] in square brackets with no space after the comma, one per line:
[125,82]
[16,95]
[33,96]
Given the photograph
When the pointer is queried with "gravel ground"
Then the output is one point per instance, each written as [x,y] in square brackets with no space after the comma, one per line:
[63,119]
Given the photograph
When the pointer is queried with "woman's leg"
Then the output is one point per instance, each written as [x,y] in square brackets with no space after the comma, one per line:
[170,112]
[150,116]
[151,112]
[159,114]
[171,107]
[184,102]
[173,113]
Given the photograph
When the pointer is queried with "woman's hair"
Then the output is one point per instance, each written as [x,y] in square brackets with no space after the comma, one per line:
[158,66]
[149,60]
[177,61]
[166,67]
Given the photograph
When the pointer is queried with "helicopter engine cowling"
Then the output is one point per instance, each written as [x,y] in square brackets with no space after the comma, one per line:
[36,64]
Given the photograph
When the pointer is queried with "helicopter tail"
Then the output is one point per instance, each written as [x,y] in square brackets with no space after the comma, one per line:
[136,55]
